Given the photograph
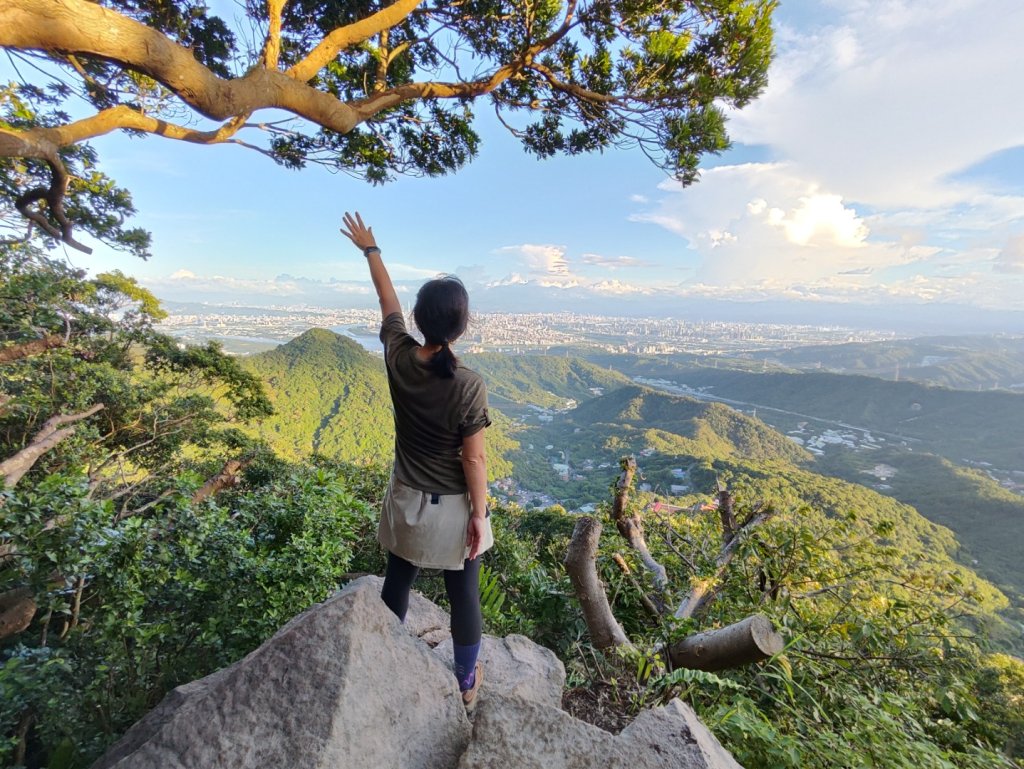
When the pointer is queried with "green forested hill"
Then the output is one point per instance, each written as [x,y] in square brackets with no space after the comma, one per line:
[941,429]
[956,424]
[968,363]
[641,417]
[542,380]
[637,420]
[330,396]
[988,519]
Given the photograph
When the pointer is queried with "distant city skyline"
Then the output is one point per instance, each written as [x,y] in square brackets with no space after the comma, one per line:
[877,183]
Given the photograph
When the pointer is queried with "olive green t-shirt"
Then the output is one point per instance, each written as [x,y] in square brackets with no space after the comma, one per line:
[432,414]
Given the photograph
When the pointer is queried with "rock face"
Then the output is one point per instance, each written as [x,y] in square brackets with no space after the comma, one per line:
[346,685]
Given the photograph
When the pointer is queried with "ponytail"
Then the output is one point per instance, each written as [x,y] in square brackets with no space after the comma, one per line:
[443,362]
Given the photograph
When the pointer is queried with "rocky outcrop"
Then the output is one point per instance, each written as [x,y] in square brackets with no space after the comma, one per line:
[346,685]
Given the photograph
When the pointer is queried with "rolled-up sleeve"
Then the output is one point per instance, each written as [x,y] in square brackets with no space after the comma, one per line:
[474,416]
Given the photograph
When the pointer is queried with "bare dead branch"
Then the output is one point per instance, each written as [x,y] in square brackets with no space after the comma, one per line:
[14,468]
[631,526]
[648,604]
[704,590]
[230,475]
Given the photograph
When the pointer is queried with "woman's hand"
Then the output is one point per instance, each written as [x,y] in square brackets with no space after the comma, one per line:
[358,232]
[475,535]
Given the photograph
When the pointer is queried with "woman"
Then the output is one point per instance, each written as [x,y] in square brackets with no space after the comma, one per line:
[435,511]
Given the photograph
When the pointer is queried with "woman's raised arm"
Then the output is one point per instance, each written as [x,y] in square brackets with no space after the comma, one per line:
[362,237]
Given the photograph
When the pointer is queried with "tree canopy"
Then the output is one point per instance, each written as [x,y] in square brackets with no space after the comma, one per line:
[374,89]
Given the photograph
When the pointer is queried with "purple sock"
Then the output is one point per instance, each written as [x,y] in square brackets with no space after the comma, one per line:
[465,664]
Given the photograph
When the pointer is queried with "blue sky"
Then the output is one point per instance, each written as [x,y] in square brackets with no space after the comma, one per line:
[881,168]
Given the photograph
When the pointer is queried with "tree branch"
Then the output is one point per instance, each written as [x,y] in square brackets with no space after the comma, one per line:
[52,195]
[571,88]
[347,36]
[27,349]
[631,526]
[226,478]
[14,468]
[648,604]
[86,28]
[272,45]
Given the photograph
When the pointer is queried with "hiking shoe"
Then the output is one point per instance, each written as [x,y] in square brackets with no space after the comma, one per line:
[469,695]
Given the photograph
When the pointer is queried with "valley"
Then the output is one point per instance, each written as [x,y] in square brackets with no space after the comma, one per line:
[563,422]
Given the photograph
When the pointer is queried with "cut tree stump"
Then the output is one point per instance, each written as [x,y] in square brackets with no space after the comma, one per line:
[750,640]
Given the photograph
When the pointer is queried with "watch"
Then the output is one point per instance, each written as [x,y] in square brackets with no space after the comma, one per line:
[370,250]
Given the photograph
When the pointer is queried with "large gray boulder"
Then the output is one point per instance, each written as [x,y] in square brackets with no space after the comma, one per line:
[513,733]
[344,684]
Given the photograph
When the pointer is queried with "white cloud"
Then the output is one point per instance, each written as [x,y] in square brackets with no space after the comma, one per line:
[539,259]
[765,222]
[409,272]
[512,279]
[209,284]
[186,285]
[821,219]
[613,262]
[619,288]
[892,97]
[557,282]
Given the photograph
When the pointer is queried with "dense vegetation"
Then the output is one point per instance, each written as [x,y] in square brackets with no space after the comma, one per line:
[988,519]
[158,538]
[329,396]
[878,668]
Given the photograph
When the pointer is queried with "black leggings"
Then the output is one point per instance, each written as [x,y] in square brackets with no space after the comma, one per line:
[463,589]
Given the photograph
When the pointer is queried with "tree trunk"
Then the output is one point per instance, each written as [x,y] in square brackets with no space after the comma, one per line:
[726,513]
[605,631]
[17,608]
[631,526]
[750,640]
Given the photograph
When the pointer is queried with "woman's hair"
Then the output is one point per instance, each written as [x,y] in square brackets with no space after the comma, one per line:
[441,314]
